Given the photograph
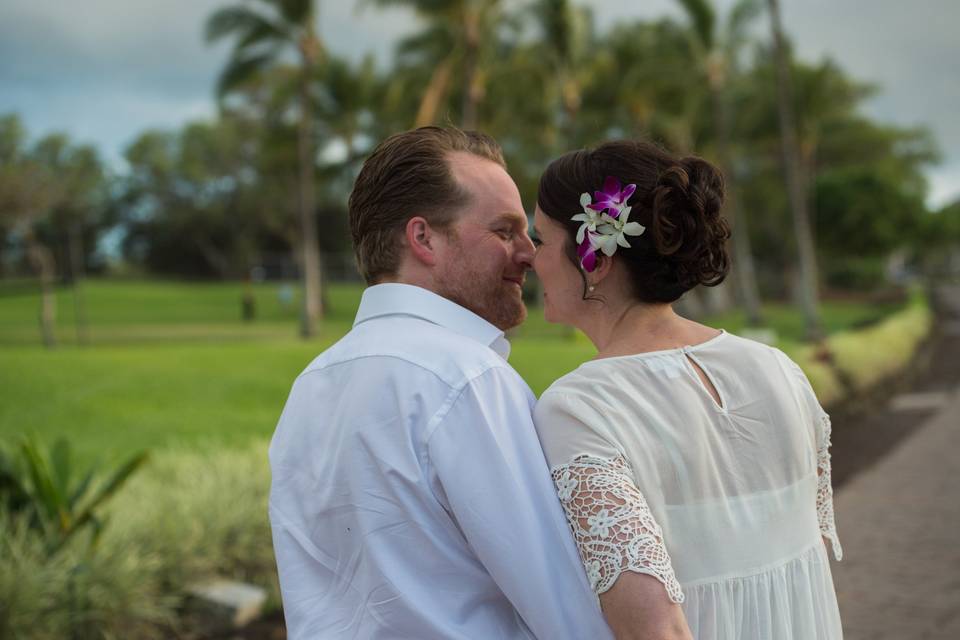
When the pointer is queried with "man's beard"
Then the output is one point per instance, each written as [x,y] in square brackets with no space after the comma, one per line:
[494,300]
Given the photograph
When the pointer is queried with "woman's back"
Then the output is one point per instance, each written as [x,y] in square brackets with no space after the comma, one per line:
[736,491]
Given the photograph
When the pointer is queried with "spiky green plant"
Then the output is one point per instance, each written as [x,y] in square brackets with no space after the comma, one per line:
[57,500]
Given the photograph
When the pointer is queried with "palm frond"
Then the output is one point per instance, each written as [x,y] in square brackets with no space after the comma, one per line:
[703,18]
[422,7]
[295,11]
[556,22]
[741,15]
[434,41]
[241,69]
[241,20]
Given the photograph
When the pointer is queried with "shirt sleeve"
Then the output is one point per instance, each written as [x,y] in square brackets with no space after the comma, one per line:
[608,514]
[492,472]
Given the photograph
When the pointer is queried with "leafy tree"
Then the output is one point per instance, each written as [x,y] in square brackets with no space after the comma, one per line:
[192,200]
[77,213]
[51,194]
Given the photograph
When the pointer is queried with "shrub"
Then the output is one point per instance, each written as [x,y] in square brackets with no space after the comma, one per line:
[204,513]
[870,355]
[187,516]
[75,593]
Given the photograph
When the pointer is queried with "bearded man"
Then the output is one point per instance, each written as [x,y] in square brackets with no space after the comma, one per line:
[410,497]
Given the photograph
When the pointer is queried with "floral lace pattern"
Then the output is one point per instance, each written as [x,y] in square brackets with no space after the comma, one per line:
[828,526]
[612,523]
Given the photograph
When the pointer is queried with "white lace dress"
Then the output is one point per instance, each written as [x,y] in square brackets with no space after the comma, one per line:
[727,504]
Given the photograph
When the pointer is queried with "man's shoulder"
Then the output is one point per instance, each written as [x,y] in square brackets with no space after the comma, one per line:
[407,343]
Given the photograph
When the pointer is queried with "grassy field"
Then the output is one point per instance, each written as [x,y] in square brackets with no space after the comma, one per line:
[172,363]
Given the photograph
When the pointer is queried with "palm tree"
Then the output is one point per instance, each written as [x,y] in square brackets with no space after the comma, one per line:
[262,36]
[564,34]
[796,191]
[716,51]
[455,40]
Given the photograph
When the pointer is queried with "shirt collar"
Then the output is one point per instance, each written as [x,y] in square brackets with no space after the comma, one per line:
[404,299]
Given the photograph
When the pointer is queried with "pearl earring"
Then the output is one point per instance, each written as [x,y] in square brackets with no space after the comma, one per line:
[591,288]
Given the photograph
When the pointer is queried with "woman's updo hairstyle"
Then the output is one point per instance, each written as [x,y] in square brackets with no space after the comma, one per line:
[678,201]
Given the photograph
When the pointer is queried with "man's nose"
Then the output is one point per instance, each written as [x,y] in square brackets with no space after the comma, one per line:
[525,251]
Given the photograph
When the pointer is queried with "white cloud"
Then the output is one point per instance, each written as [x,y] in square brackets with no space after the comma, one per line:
[944,185]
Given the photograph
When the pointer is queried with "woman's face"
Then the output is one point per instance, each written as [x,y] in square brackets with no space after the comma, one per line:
[562,283]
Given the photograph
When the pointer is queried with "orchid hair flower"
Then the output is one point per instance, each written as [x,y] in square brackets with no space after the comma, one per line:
[605,222]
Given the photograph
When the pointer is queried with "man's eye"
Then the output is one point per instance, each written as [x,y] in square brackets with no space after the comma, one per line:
[506,234]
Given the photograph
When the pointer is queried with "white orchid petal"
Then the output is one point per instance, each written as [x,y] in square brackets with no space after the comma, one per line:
[581,232]
[633,229]
[622,241]
[608,244]
[606,229]
[580,217]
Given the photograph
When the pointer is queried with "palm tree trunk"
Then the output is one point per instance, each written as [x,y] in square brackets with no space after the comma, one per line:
[312,309]
[796,192]
[433,96]
[471,92]
[743,264]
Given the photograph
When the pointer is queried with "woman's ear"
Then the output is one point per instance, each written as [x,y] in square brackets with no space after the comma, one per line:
[422,241]
[601,270]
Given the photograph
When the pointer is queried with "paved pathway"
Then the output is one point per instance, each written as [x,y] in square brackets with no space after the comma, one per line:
[899,523]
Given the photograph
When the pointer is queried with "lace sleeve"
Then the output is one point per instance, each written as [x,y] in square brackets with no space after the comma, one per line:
[612,523]
[828,526]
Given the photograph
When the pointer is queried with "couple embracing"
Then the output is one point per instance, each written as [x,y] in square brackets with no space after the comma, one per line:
[675,486]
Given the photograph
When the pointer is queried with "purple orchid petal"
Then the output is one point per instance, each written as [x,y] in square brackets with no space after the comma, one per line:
[627,192]
[585,245]
[603,200]
[599,207]
[589,261]
[611,186]
[587,252]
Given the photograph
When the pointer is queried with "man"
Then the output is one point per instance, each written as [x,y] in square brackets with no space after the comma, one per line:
[410,496]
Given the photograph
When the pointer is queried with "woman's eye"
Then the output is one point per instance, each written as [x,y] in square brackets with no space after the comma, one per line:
[536,241]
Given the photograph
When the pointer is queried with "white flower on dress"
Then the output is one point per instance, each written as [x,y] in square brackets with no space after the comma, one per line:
[600,523]
[593,574]
[565,486]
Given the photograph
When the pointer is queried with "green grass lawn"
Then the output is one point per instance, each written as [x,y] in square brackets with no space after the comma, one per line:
[172,363]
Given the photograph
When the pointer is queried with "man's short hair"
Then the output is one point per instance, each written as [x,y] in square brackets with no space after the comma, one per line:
[408,175]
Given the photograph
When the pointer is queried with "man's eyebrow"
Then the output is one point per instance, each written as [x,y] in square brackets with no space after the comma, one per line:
[510,218]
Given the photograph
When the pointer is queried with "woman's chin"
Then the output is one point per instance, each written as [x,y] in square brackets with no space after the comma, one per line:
[548,313]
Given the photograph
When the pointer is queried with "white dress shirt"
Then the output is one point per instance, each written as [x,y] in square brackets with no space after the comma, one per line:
[410,497]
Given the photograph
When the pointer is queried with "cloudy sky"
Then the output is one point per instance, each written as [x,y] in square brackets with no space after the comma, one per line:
[105,70]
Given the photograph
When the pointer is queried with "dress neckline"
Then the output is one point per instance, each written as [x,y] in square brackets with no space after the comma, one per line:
[662,352]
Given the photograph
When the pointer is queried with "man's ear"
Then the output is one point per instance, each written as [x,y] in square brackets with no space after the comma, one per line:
[422,240]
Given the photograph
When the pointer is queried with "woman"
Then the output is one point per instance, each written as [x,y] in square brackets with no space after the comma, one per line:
[693,465]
